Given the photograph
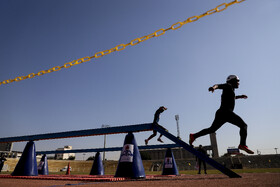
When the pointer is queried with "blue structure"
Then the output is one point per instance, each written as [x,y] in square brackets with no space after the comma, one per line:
[43,168]
[122,129]
[201,156]
[80,133]
[169,164]
[130,163]
[97,167]
[27,164]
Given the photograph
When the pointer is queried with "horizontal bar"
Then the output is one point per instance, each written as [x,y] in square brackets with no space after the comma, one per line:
[80,133]
[108,149]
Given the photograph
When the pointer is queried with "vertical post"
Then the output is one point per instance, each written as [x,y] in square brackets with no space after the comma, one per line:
[177,121]
[104,126]
[84,156]
[104,148]
[178,133]
[214,145]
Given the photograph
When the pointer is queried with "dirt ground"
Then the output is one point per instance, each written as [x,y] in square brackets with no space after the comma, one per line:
[254,179]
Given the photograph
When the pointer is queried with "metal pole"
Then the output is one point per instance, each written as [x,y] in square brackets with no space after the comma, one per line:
[104,126]
[84,156]
[104,148]
[178,133]
[177,121]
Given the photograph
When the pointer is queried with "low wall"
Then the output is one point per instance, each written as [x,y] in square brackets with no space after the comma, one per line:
[256,161]
[234,162]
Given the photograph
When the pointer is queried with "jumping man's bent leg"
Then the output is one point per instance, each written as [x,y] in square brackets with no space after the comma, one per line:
[153,135]
[159,139]
[217,123]
[238,121]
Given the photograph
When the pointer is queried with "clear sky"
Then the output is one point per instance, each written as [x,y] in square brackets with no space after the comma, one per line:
[127,87]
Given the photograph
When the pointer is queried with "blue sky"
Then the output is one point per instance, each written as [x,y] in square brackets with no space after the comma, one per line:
[126,87]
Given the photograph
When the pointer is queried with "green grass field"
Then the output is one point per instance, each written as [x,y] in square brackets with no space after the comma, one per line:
[188,172]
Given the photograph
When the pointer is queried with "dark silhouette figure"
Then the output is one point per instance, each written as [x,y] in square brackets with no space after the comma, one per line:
[225,112]
[200,149]
[155,122]
[2,160]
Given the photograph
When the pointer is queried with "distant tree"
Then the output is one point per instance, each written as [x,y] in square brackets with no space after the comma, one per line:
[91,158]
[51,158]
[145,156]
[71,158]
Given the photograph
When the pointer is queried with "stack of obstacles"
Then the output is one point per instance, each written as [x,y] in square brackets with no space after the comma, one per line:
[124,129]
[130,166]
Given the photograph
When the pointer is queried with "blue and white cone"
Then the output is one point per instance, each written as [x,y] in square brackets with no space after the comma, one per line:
[97,167]
[27,164]
[169,165]
[43,168]
[130,163]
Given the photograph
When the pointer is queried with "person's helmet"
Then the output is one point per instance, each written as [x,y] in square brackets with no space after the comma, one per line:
[232,77]
[163,108]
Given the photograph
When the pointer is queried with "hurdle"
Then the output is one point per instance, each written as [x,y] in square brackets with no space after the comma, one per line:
[117,130]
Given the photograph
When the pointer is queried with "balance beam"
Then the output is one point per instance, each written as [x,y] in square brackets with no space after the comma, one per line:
[123,129]
[80,133]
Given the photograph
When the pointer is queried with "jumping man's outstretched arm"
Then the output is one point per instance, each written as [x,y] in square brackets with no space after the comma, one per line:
[211,89]
[241,97]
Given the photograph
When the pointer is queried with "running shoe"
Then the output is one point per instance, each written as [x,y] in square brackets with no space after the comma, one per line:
[245,148]
[191,140]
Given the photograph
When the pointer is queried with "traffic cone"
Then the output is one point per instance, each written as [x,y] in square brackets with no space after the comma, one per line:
[68,169]
[169,165]
[130,163]
[97,167]
[43,168]
[27,164]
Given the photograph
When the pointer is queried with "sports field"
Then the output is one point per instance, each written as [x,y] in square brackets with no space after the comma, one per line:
[250,177]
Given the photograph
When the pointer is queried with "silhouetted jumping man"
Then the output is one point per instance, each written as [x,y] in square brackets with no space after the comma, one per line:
[225,113]
[155,122]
